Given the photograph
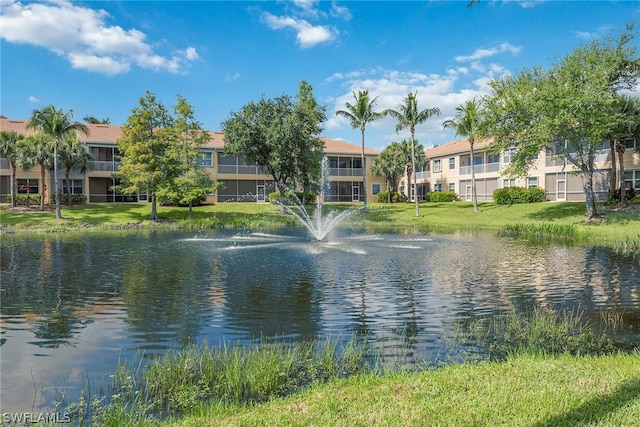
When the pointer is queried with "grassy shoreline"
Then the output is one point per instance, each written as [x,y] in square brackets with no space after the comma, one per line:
[563,219]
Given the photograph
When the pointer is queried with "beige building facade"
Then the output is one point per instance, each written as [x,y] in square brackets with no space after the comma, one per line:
[242,182]
[449,168]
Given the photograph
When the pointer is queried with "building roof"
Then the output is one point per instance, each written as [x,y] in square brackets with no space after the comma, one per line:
[110,133]
[456,147]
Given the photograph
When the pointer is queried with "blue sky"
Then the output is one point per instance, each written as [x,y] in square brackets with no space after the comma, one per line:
[99,57]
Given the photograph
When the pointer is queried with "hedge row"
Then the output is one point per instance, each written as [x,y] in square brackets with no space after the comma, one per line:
[516,195]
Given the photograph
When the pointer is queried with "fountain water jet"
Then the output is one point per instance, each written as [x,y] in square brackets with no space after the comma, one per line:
[318,224]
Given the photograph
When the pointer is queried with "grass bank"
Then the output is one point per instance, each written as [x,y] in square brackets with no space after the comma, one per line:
[563,219]
[547,368]
[524,390]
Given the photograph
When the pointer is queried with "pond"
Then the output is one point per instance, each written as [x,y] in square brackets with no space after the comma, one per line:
[73,305]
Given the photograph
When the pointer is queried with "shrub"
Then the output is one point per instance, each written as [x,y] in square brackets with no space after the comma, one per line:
[395,197]
[21,199]
[516,195]
[76,199]
[310,197]
[441,196]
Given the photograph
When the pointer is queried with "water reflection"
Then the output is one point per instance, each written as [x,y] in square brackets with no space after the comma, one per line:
[72,305]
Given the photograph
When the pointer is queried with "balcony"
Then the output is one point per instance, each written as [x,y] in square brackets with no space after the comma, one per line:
[105,166]
[481,168]
[423,175]
[345,171]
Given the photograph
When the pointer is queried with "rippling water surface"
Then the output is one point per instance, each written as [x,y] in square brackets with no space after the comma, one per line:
[71,306]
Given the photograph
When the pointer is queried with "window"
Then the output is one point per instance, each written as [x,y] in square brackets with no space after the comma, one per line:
[630,143]
[452,162]
[437,166]
[532,182]
[507,155]
[452,186]
[205,159]
[375,189]
[75,185]
[26,185]
[632,179]
[508,182]
[402,189]
[437,187]
[493,158]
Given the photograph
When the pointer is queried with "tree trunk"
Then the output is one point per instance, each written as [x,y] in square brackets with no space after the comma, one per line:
[44,187]
[190,210]
[66,176]
[412,184]
[613,185]
[56,184]
[474,196]
[14,191]
[388,190]
[364,172]
[587,171]
[154,211]
[620,152]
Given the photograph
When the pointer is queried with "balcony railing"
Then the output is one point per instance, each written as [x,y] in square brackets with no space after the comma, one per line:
[423,175]
[481,168]
[242,169]
[105,166]
[345,171]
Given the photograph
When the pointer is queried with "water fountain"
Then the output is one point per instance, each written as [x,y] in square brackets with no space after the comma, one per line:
[318,223]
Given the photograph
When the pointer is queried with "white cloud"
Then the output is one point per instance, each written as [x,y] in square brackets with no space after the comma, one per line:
[599,32]
[83,36]
[307,35]
[488,52]
[33,99]
[445,91]
[340,11]
[232,77]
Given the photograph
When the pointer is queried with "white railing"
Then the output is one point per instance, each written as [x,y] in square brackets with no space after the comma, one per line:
[345,171]
[102,166]
[481,168]
[423,175]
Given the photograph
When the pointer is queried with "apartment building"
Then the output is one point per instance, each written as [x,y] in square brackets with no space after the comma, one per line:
[242,182]
[449,168]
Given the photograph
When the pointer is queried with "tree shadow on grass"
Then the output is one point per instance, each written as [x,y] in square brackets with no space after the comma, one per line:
[559,210]
[596,409]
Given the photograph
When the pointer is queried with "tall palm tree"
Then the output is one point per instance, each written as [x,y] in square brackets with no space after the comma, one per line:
[467,123]
[36,150]
[408,116]
[58,125]
[74,154]
[9,150]
[359,114]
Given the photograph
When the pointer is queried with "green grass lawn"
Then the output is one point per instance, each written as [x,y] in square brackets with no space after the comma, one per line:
[615,225]
[524,390]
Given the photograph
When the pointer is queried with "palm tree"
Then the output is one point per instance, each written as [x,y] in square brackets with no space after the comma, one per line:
[36,150]
[467,123]
[390,164]
[359,114]
[74,154]
[408,116]
[58,125]
[9,150]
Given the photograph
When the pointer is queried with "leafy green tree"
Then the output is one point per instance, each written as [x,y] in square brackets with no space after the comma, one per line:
[9,150]
[94,121]
[150,155]
[391,163]
[280,136]
[573,104]
[193,183]
[74,154]
[57,124]
[361,112]
[628,127]
[467,122]
[412,155]
[408,116]
[36,150]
